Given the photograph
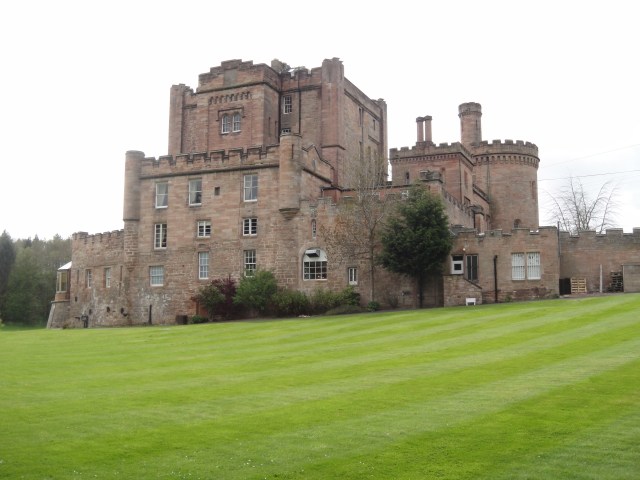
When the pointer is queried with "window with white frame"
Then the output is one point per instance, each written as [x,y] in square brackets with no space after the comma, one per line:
[156,276]
[203,228]
[456,264]
[533,265]
[203,265]
[88,278]
[160,236]
[314,264]
[226,124]
[236,122]
[352,273]
[517,266]
[250,263]
[162,195]
[287,104]
[249,226]
[195,191]
[107,277]
[251,187]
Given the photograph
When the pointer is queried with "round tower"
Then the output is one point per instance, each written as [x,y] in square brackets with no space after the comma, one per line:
[470,123]
[507,172]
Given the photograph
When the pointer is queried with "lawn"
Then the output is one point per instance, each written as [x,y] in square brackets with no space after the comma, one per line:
[536,390]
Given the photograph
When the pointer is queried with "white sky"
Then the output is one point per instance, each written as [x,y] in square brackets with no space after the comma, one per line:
[85,81]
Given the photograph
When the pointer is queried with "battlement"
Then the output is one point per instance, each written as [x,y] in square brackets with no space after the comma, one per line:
[231,73]
[505,147]
[499,233]
[234,157]
[611,233]
[114,236]
[426,148]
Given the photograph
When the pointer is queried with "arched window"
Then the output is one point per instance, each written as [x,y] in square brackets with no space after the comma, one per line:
[314,264]
[226,124]
[516,223]
[236,122]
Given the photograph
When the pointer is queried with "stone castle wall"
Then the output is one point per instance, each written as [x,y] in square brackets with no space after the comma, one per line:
[581,256]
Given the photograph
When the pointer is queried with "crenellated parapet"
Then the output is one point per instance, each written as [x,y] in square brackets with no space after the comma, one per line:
[507,151]
[609,233]
[266,155]
[259,156]
[100,240]
[422,149]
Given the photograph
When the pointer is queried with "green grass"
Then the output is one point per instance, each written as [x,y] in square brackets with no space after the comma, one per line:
[540,390]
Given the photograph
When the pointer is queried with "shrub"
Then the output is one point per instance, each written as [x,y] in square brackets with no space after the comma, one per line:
[198,319]
[287,303]
[256,292]
[217,298]
[373,306]
[349,296]
[324,300]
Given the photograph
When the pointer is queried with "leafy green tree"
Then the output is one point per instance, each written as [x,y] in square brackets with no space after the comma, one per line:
[7,259]
[256,291]
[28,293]
[417,240]
[31,284]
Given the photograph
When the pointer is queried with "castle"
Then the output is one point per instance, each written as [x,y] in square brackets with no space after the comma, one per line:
[257,163]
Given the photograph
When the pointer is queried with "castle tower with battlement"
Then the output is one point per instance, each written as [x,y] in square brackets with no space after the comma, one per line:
[491,185]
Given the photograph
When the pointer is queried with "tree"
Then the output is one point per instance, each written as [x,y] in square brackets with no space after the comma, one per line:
[7,259]
[417,240]
[355,233]
[576,210]
[31,284]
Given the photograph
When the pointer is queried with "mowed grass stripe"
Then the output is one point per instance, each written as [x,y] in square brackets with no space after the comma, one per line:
[173,388]
[383,366]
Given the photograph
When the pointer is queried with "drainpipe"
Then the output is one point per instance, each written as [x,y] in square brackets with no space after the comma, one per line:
[495,278]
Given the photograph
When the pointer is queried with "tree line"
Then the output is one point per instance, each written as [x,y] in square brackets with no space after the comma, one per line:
[28,269]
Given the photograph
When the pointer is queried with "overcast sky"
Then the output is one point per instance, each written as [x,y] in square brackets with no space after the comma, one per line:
[85,81]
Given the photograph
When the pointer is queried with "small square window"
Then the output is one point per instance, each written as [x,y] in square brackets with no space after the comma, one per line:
[250,226]
[216,191]
[285,131]
[203,229]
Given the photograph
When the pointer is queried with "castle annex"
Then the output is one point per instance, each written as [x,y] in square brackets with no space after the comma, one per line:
[257,161]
